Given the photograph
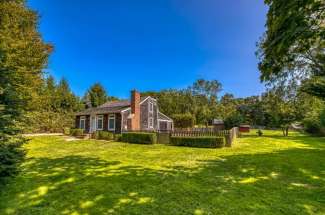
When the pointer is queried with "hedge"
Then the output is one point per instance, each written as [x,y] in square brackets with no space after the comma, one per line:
[76,132]
[137,137]
[103,135]
[118,137]
[201,142]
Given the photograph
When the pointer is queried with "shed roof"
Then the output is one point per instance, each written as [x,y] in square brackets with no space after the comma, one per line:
[162,116]
[217,122]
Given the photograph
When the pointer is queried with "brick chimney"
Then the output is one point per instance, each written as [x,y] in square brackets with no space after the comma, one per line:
[135,110]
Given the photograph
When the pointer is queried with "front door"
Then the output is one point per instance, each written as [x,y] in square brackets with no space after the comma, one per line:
[92,124]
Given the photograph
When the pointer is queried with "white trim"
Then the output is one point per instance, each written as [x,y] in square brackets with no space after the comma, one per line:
[157,110]
[125,109]
[111,116]
[82,118]
[166,116]
[147,113]
[97,119]
[92,120]
[147,99]
[164,120]
[150,105]
[121,122]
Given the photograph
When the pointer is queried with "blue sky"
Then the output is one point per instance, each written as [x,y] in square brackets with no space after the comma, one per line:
[153,44]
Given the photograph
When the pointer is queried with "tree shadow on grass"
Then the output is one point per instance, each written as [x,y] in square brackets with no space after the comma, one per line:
[283,182]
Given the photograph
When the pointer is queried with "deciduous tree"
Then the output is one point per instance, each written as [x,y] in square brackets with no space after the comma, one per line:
[293,46]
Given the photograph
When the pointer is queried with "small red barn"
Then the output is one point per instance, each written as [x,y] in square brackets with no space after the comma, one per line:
[244,128]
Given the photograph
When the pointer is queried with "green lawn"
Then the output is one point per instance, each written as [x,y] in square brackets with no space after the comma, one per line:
[259,175]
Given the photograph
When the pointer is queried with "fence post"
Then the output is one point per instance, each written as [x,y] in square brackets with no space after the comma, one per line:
[228,140]
[231,136]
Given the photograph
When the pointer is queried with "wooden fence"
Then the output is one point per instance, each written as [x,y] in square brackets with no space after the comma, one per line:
[198,133]
[230,135]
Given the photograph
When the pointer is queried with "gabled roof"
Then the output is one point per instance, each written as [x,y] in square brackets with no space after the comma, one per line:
[101,110]
[122,103]
[110,107]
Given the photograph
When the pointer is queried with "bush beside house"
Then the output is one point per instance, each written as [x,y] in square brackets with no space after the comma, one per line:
[139,137]
[76,132]
[66,130]
[103,135]
[202,142]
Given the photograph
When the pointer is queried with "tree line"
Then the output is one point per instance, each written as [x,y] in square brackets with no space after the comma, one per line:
[55,106]
[278,107]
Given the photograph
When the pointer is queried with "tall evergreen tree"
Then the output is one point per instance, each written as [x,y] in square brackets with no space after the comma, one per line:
[23,55]
[96,95]
[66,99]
[57,105]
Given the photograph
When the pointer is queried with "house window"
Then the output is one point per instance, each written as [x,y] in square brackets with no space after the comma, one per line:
[100,122]
[150,106]
[111,122]
[151,122]
[82,124]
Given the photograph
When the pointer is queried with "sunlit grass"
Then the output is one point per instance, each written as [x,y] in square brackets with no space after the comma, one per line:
[259,175]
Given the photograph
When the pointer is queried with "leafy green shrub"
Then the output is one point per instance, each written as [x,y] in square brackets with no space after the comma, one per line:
[94,135]
[233,120]
[186,120]
[312,126]
[139,137]
[66,131]
[259,132]
[202,142]
[76,132]
[11,156]
[118,137]
[104,135]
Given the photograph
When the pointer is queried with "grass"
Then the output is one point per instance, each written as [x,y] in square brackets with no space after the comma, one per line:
[259,175]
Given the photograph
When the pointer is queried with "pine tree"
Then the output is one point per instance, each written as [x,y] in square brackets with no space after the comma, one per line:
[96,95]
[23,56]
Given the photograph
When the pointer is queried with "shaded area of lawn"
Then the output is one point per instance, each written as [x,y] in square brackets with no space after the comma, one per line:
[288,180]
